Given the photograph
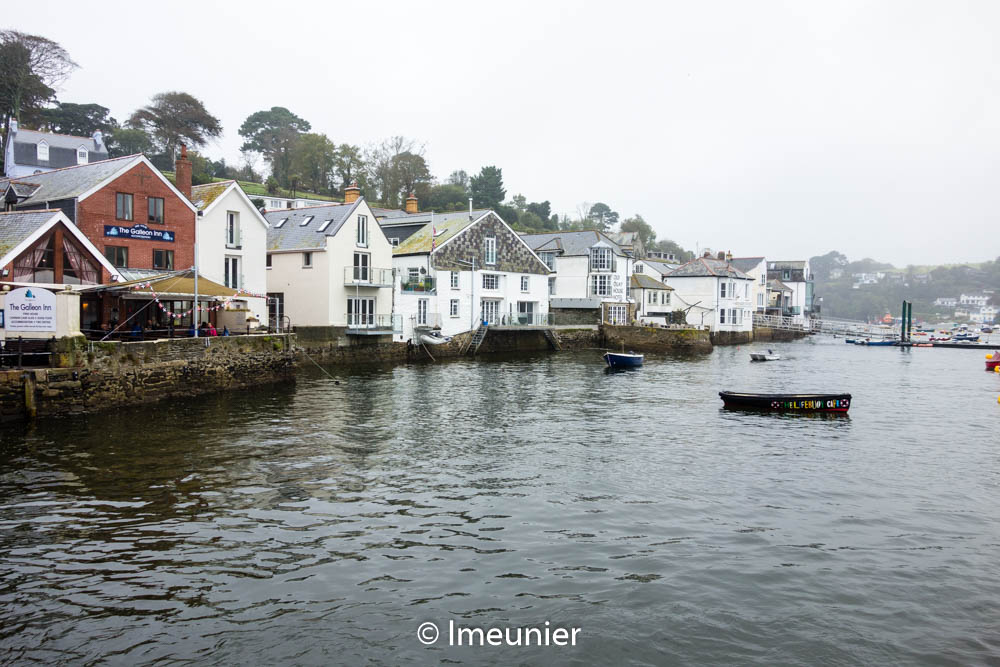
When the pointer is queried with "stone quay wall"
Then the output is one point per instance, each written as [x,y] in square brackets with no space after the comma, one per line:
[90,377]
[767,333]
[656,339]
[732,337]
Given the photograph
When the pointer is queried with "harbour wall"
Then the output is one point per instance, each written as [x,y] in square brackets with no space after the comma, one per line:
[90,377]
[657,339]
[731,337]
[779,335]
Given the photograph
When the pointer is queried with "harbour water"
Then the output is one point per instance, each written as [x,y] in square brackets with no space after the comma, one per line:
[322,522]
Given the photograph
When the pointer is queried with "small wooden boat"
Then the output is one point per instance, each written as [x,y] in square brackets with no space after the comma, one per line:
[760,356]
[623,360]
[786,402]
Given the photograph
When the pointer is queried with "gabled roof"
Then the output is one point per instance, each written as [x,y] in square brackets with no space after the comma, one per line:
[640,280]
[81,181]
[293,236]
[661,265]
[206,196]
[570,243]
[446,226]
[745,264]
[20,229]
[62,149]
[624,238]
[707,267]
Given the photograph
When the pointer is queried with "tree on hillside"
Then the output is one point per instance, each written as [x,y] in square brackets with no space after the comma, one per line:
[273,133]
[313,162]
[822,265]
[445,197]
[668,246]
[127,141]
[31,67]
[647,236]
[175,118]
[349,165]
[542,209]
[411,172]
[603,218]
[384,170]
[459,178]
[487,189]
[77,119]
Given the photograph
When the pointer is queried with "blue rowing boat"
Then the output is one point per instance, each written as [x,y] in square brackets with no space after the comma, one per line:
[623,360]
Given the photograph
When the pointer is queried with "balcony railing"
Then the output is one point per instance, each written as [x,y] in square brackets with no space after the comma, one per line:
[365,276]
[422,286]
[524,320]
[372,323]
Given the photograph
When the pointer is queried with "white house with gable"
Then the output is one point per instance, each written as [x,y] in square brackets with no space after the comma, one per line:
[330,265]
[464,268]
[715,294]
[232,242]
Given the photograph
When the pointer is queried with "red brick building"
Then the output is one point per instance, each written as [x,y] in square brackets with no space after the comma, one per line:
[140,222]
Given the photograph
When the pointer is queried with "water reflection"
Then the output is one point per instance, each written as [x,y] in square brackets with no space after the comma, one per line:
[318,522]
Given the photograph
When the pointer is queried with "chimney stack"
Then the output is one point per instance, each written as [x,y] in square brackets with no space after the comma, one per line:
[411,204]
[729,256]
[182,173]
[99,140]
[352,193]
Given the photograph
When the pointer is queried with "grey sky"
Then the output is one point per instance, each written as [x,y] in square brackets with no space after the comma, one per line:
[784,129]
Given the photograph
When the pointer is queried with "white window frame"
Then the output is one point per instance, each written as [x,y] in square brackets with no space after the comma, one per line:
[422,312]
[722,289]
[362,267]
[453,308]
[601,259]
[552,286]
[394,242]
[525,283]
[454,279]
[82,155]
[279,223]
[491,278]
[722,315]
[600,284]
[42,151]
[232,272]
[324,225]
[490,250]
[307,260]
[306,220]
[362,231]
[232,229]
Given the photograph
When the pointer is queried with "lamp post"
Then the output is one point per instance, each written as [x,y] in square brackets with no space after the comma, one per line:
[472,289]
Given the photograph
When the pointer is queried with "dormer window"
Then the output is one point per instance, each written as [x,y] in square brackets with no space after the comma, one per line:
[81,156]
[43,151]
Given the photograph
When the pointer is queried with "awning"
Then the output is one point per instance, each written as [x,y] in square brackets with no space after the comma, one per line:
[178,285]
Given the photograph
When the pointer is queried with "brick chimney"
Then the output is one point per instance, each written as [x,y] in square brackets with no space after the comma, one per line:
[352,193]
[182,173]
[411,204]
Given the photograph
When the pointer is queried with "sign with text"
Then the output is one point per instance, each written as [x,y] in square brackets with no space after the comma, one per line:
[30,309]
[139,232]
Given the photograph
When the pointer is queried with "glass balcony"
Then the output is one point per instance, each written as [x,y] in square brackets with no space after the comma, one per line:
[371,324]
[425,285]
[365,276]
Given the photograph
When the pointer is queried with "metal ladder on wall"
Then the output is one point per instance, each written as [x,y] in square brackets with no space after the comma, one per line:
[477,339]
[552,338]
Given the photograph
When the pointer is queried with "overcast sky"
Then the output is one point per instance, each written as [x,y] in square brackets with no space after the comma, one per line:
[785,129]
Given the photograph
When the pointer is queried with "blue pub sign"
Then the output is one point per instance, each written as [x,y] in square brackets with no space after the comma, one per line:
[139,232]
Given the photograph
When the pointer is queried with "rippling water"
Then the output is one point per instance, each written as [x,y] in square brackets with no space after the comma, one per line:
[321,523]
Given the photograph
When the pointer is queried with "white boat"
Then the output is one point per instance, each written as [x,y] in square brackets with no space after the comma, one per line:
[434,338]
[759,356]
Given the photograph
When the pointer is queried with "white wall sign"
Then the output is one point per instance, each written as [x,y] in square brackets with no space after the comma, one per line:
[30,309]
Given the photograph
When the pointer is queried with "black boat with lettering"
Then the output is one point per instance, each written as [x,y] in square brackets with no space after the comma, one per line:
[786,402]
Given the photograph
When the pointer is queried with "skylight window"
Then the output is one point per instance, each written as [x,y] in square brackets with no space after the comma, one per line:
[306,221]
[326,223]
[278,224]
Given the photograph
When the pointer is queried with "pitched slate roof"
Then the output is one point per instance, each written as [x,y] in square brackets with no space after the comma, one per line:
[202,196]
[745,264]
[640,280]
[70,182]
[446,225]
[570,243]
[707,267]
[661,265]
[796,264]
[16,226]
[293,236]
[776,285]
[62,149]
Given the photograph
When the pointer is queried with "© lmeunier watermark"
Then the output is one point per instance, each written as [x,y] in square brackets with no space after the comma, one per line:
[428,633]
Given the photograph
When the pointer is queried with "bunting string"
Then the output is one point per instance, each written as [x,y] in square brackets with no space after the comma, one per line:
[207,309]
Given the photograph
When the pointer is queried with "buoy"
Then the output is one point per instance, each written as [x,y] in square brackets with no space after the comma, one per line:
[989,356]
